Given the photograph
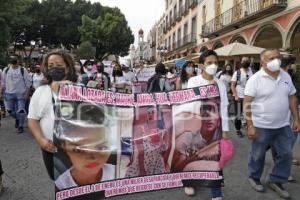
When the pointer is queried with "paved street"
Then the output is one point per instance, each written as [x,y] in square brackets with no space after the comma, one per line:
[25,177]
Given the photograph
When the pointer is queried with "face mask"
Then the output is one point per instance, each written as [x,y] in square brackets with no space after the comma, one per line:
[246,64]
[189,70]
[211,69]
[77,68]
[37,71]
[57,73]
[274,65]
[89,67]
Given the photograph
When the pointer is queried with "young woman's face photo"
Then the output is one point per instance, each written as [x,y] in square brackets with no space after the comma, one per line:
[90,153]
[210,117]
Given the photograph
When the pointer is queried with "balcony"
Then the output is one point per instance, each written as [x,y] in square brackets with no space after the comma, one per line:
[174,46]
[179,14]
[174,20]
[193,3]
[242,14]
[185,8]
[179,43]
[165,29]
[168,25]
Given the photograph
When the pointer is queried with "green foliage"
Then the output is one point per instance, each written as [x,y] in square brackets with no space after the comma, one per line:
[57,22]
[86,50]
[109,33]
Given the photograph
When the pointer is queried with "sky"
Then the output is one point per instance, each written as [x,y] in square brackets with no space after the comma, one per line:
[139,13]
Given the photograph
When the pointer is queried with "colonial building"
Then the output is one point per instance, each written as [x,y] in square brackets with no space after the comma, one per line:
[181,27]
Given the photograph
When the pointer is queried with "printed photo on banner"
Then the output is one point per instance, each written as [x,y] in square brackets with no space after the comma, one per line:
[87,145]
[151,142]
[197,127]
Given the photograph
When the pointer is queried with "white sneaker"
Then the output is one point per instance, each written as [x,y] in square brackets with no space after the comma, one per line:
[189,191]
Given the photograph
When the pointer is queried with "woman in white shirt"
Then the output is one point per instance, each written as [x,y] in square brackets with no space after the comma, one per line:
[58,68]
[226,76]
[186,73]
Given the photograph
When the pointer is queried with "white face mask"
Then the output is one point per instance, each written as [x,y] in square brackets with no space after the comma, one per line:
[189,70]
[274,65]
[77,68]
[211,69]
[89,67]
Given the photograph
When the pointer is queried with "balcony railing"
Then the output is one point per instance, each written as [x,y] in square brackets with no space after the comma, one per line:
[174,45]
[241,14]
[185,8]
[174,20]
[179,14]
[193,3]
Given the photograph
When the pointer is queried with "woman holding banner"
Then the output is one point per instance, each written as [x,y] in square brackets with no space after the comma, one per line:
[58,68]
[209,65]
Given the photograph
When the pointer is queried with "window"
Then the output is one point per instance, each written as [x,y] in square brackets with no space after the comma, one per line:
[194,29]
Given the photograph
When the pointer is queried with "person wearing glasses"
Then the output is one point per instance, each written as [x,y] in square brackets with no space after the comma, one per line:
[238,84]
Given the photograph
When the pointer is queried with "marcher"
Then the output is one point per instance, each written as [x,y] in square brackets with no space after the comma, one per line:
[79,71]
[159,82]
[118,80]
[226,76]
[271,89]
[186,73]
[37,77]
[58,68]
[238,84]
[209,63]
[16,84]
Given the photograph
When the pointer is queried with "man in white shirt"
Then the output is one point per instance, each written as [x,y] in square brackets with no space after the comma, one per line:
[238,84]
[269,101]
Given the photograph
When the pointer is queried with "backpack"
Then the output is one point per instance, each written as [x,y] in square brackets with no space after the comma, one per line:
[22,73]
[8,68]
[153,84]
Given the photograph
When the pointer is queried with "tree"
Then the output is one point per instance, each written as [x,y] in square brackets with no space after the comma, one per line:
[86,50]
[109,33]
[11,16]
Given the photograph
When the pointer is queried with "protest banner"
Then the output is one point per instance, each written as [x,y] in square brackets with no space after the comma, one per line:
[112,144]
[145,73]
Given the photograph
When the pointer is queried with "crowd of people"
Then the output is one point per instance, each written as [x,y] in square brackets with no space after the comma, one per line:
[265,101]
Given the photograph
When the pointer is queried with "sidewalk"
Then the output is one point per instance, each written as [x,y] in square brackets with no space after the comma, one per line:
[25,176]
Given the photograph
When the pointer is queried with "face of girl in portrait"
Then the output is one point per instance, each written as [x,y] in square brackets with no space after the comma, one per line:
[151,114]
[90,152]
[57,68]
[210,117]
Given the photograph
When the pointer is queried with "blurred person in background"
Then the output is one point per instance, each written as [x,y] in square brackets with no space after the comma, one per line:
[16,83]
[186,73]
[226,76]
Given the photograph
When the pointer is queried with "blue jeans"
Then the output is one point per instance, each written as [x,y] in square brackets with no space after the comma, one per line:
[16,107]
[216,192]
[280,140]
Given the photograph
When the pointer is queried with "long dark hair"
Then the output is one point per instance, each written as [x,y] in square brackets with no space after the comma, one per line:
[183,74]
[68,59]
[224,70]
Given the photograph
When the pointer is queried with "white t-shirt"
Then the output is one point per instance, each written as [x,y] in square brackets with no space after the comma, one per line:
[41,108]
[129,76]
[198,81]
[241,84]
[270,105]
[36,80]
[66,180]
[226,79]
